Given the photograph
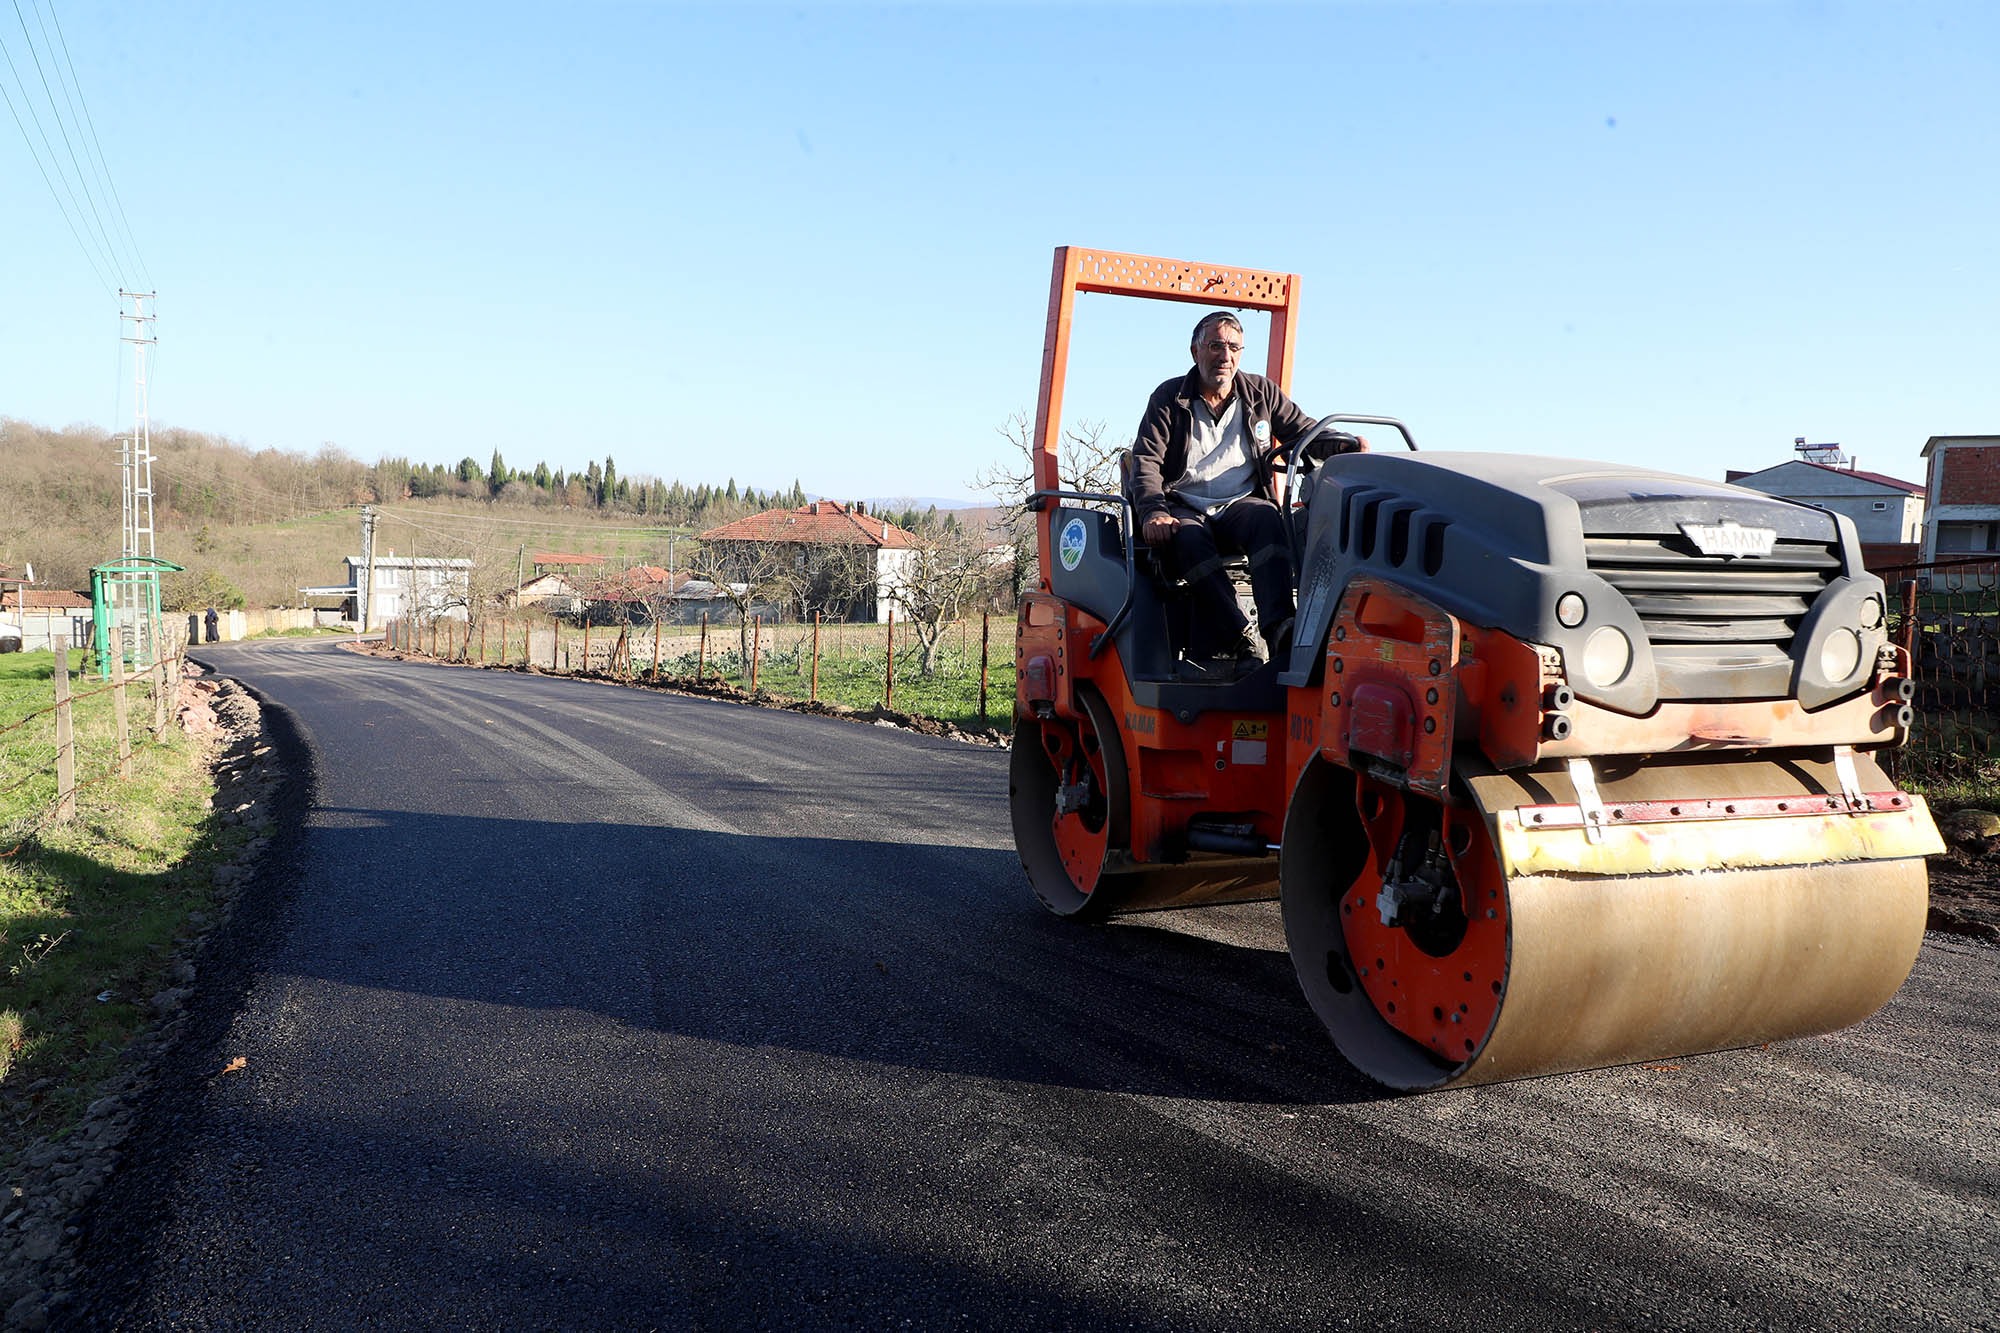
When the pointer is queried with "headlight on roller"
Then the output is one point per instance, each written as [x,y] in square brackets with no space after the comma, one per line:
[1839,656]
[1607,656]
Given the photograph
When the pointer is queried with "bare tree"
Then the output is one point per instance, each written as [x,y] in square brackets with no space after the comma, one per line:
[934,581]
[745,574]
[1085,461]
[828,578]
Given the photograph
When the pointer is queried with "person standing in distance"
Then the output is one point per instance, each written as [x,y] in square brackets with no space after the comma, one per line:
[1201,487]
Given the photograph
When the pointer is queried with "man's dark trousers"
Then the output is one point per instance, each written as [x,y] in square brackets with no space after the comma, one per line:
[1250,527]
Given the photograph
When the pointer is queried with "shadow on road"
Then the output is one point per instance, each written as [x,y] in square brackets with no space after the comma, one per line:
[928,957]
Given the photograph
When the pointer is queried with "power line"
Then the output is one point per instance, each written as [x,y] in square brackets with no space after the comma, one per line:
[55,113]
[109,184]
[71,102]
[88,257]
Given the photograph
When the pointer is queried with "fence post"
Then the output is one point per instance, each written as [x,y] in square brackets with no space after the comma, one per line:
[889,669]
[656,646]
[157,677]
[701,655]
[65,738]
[1909,627]
[756,648]
[985,632]
[586,643]
[121,709]
[813,691]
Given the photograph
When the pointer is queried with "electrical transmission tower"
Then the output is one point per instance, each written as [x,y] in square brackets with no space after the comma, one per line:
[136,594]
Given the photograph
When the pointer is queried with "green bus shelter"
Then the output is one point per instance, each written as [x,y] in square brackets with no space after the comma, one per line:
[125,609]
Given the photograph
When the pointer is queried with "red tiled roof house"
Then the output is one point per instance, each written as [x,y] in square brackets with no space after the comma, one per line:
[837,557]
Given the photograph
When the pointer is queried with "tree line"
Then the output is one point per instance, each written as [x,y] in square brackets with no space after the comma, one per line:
[65,494]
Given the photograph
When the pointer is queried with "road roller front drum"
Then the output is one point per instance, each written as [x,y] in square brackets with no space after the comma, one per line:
[1562,970]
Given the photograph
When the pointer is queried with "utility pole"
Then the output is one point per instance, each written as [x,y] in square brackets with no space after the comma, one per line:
[367,597]
[137,600]
[520,574]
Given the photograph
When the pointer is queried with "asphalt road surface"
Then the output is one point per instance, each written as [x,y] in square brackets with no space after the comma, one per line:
[572,1006]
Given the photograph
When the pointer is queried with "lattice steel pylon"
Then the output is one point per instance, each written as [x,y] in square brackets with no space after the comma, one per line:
[135,596]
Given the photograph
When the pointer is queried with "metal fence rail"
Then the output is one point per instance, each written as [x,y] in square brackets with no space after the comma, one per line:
[1948,617]
[856,663]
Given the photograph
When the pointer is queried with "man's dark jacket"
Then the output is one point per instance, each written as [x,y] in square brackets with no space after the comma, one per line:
[1160,453]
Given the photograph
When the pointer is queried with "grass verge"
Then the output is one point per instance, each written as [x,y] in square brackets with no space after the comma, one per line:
[89,910]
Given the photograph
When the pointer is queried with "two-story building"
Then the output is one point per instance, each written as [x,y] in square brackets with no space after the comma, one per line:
[1964,518]
[424,586]
[839,556]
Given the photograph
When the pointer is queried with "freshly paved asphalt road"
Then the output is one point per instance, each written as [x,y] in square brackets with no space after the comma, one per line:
[570,1006]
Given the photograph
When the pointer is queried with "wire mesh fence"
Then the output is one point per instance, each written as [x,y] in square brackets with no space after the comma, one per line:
[961,671]
[61,734]
[1948,617]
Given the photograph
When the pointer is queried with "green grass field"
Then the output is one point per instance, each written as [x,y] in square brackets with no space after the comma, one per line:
[852,670]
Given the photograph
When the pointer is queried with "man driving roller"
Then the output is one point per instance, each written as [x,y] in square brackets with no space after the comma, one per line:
[1201,487]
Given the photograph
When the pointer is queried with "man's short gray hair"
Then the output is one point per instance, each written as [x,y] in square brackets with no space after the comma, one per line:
[1213,319]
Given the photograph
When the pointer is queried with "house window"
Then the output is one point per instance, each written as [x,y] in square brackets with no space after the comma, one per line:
[1881,505]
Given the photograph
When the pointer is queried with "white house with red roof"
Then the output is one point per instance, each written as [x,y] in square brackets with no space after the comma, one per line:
[796,535]
[1886,510]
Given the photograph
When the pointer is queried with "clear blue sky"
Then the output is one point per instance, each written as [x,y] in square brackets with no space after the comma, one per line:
[813,241]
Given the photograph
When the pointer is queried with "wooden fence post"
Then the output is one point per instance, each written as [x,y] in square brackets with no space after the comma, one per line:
[701,654]
[121,708]
[889,669]
[756,648]
[985,633]
[65,738]
[586,643]
[157,677]
[813,691]
[656,646]
[1909,626]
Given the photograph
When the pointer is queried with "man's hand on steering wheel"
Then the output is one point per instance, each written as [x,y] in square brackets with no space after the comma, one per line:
[1159,529]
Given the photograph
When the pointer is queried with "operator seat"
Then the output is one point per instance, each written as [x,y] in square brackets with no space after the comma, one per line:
[1176,598]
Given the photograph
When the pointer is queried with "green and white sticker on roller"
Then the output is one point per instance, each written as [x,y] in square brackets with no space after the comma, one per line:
[1070,547]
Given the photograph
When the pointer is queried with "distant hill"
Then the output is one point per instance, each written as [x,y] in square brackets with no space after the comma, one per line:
[269,522]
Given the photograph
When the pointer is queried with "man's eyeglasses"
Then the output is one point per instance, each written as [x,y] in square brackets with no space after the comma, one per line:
[1216,347]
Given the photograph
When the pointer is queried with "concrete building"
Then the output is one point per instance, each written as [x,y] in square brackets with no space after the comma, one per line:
[1964,518]
[424,586]
[1885,510]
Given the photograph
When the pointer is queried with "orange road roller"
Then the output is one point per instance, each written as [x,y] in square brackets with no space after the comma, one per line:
[1568,764]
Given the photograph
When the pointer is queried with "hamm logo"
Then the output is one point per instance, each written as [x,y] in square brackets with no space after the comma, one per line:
[1727,538]
[1070,549]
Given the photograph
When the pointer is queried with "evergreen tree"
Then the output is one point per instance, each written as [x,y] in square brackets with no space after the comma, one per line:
[541,476]
[497,474]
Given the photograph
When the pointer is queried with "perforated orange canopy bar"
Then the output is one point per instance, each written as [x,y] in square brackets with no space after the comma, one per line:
[1081,270]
